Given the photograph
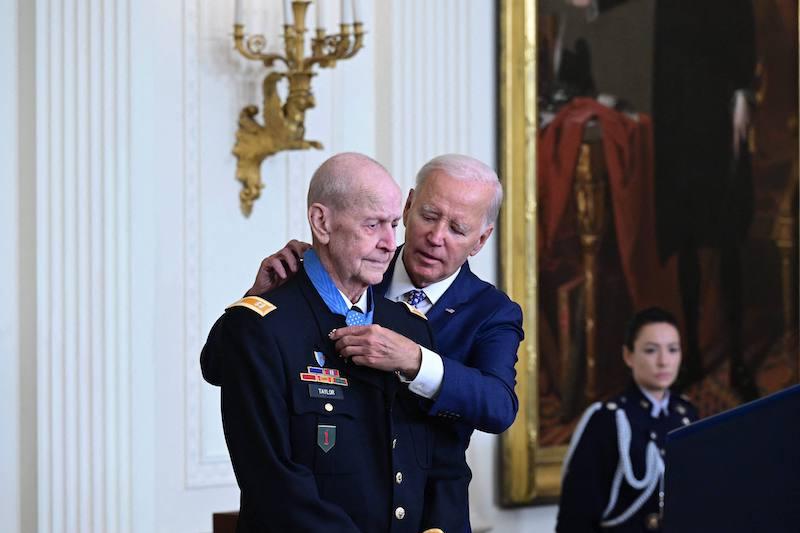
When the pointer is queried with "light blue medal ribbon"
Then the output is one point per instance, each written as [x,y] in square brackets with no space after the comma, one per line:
[330,294]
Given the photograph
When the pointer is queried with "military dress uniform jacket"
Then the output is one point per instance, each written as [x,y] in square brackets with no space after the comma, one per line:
[477,330]
[587,492]
[311,456]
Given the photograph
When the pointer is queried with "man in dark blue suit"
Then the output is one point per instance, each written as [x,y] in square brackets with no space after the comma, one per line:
[317,443]
[470,379]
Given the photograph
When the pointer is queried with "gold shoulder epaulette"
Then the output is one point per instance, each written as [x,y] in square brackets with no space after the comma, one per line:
[415,311]
[254,303]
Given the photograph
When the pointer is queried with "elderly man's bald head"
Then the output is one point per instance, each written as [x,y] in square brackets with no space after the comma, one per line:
[354,206]
[347,178]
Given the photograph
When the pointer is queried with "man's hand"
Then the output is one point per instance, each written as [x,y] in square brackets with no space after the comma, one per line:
[278,267]
[380,348]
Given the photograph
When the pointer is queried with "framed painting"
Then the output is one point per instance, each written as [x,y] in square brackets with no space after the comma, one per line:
[635,177]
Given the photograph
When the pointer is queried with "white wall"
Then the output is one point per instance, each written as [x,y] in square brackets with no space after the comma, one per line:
[9,269]
[121,225]
[17,263]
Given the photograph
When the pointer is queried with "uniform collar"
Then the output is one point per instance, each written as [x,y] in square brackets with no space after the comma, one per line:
[657,406]
[637,396]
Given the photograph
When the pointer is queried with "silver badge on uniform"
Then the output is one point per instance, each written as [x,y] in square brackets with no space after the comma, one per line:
[320,357]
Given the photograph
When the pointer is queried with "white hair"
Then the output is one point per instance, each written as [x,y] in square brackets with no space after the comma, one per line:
[465,168]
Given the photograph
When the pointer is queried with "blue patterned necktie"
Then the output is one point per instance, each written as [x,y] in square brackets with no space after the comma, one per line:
[330,294]
[414,297]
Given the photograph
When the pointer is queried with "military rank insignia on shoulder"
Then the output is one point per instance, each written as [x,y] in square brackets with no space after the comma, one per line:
[254,303]
[415,311]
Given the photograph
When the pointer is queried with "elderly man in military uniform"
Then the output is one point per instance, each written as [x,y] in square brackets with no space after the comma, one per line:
[469,380]
[319,443]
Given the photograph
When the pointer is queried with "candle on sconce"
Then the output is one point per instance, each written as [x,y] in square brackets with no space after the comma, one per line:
[302,52]
[237,12]
[288,16]
[320,14]
[347,12]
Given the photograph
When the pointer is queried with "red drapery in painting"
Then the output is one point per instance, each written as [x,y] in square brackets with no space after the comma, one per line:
[628,150]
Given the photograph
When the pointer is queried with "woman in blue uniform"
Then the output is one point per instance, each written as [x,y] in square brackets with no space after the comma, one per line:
[614,467]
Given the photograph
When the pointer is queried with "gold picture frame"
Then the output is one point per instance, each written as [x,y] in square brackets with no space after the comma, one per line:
[530,473]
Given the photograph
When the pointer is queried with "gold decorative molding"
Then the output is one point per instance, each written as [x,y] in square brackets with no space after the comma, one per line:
[283,122]
[526,474]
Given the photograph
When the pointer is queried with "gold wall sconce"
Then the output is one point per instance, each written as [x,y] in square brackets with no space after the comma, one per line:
[283,127]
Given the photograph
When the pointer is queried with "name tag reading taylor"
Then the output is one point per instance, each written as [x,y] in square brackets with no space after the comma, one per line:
[330,392]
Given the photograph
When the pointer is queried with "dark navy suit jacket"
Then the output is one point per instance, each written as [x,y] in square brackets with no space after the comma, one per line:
[477,330]
[357,458]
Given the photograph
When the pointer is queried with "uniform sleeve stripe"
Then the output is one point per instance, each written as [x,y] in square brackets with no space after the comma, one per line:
[254,303]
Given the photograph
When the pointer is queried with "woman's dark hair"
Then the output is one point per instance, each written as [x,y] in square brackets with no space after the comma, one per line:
[651,315]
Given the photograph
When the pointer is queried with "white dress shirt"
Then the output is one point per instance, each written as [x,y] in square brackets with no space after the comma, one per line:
[431,371]
[361,303]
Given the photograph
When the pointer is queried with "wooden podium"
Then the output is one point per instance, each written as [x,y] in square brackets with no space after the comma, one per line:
[738,471]
[225,522]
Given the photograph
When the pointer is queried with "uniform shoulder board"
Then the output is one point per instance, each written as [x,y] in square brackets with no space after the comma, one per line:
[254,303]
[415,311]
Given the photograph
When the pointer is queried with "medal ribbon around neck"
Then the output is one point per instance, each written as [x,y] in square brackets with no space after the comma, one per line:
[330,294]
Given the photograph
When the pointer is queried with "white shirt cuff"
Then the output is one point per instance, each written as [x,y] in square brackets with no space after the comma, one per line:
[430,375]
